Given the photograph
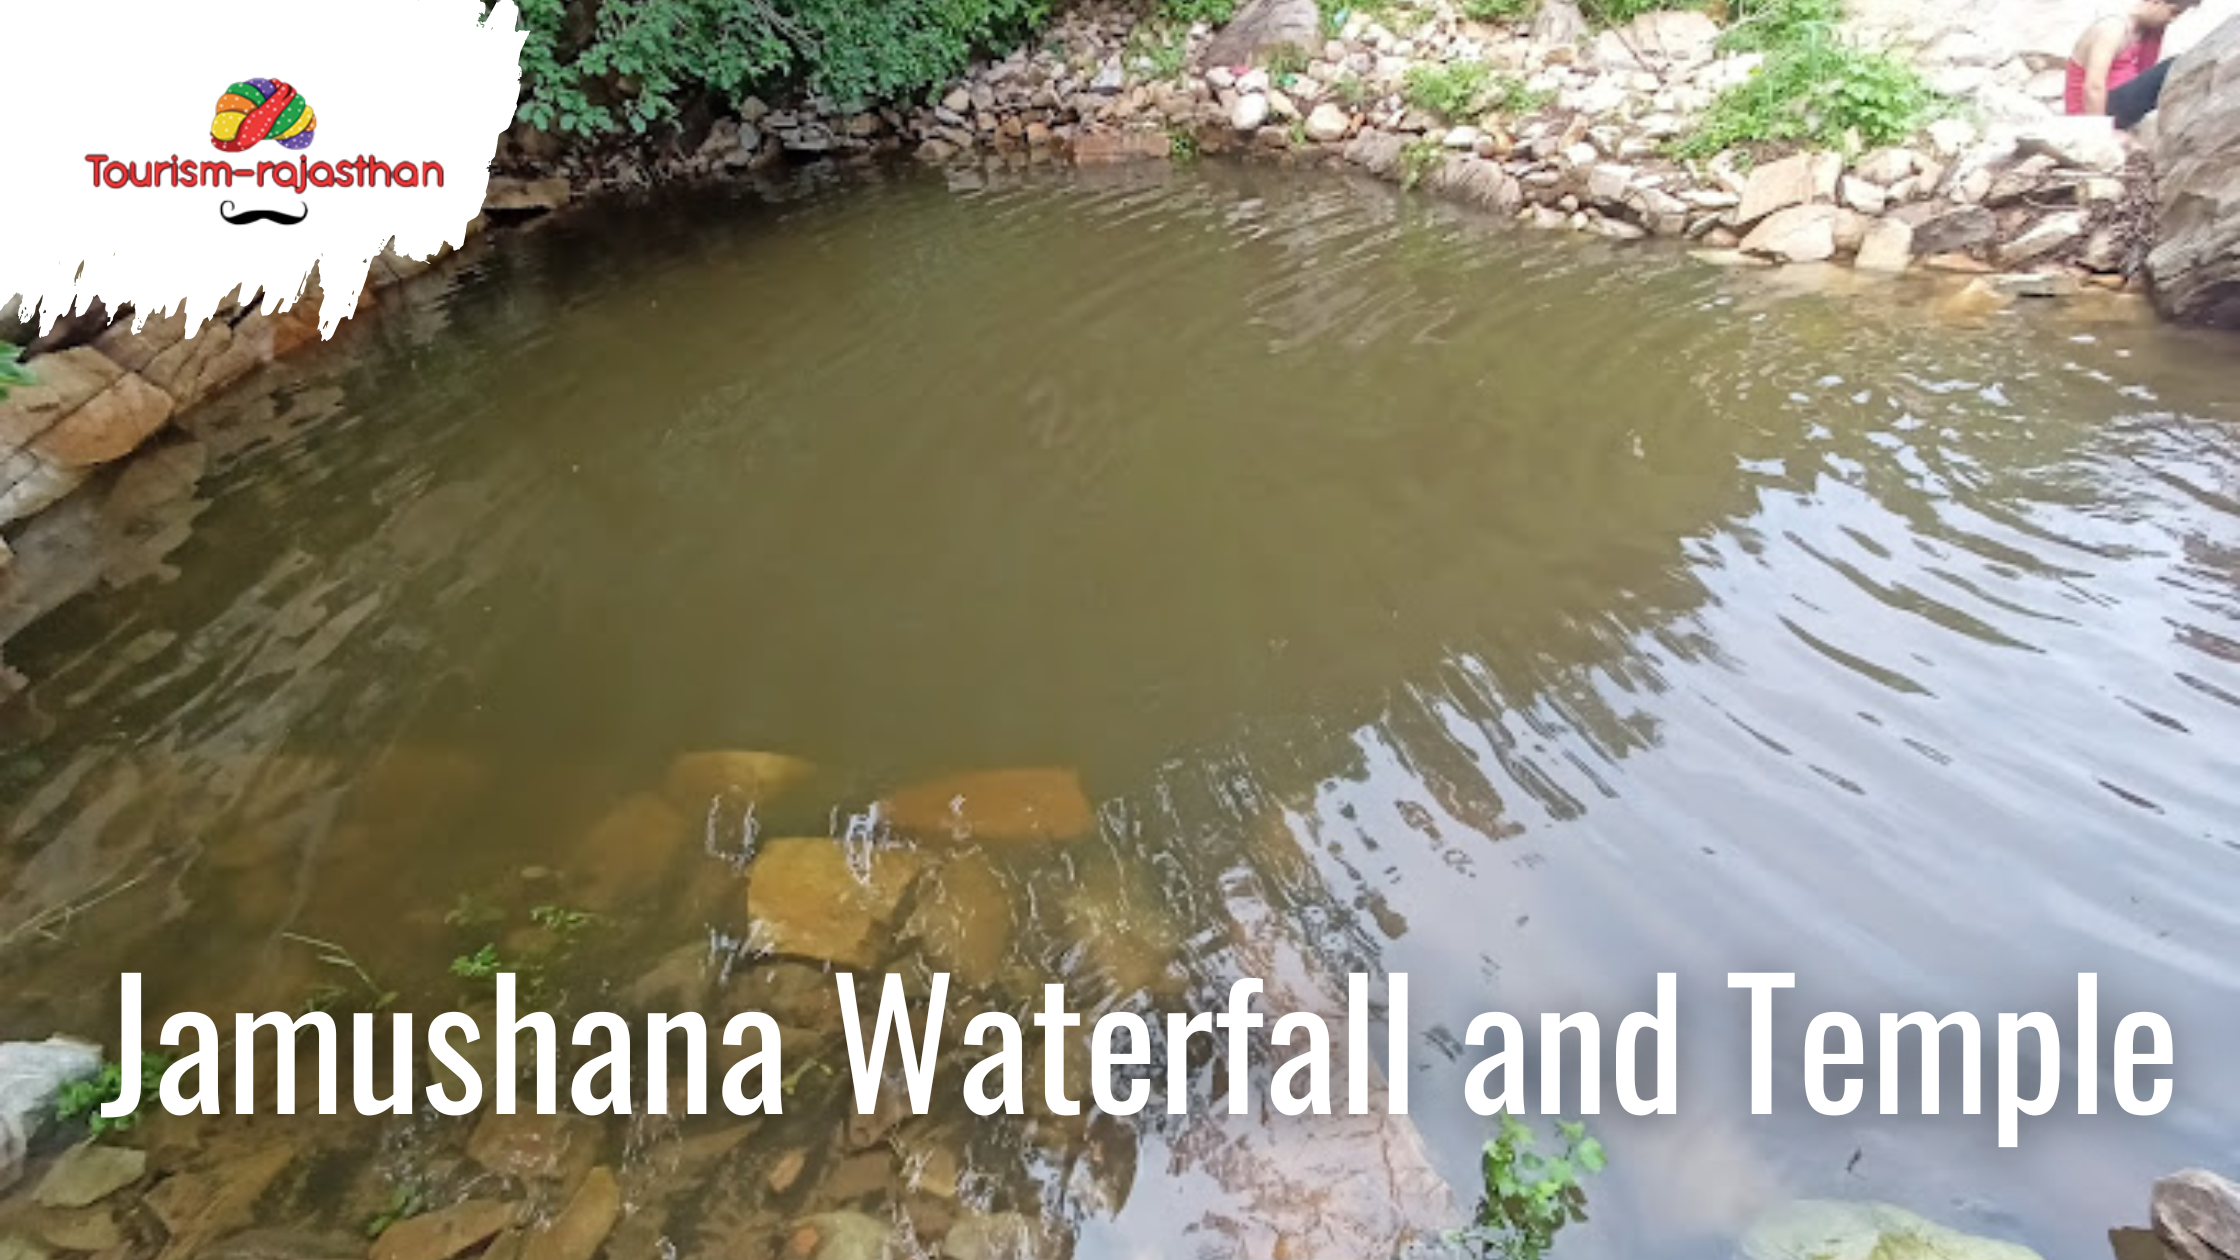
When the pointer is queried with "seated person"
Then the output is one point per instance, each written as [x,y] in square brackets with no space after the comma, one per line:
[2117,68]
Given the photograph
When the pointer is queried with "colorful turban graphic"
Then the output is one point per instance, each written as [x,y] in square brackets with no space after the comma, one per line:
[262,109]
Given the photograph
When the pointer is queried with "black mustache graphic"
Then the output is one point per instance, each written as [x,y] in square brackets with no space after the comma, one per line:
[226,212]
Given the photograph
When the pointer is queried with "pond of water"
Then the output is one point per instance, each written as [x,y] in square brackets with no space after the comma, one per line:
[1400,592]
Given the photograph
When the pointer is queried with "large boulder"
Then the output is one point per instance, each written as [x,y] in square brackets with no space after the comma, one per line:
[1263,25]
[2195,265]
[32,1074]
[2197,1215]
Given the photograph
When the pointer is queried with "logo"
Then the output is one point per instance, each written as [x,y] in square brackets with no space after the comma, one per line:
[254,110]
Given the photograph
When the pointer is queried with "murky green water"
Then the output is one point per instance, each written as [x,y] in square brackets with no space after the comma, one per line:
[1406,594]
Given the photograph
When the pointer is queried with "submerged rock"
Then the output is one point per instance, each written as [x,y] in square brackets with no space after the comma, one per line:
[2197,1215]
[695,779]
[1829,1229]
[445,1233]
[807,900]
[841,1236]
[965,919]
[32,1073]
[1004,806]
[630,850]
[88,1173]
[993,1236]
[577,1232]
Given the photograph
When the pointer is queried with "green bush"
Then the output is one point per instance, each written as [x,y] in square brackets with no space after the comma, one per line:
[1620,12]
[636,62]
[83,1100]
[1214,11]
[1759,25]
[1453,90]
[1820,91]
[1498,10]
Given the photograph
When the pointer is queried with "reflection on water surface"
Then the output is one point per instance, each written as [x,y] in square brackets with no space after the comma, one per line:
[1351,587]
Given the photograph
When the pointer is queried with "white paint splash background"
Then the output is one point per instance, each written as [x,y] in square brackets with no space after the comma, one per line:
[398,80]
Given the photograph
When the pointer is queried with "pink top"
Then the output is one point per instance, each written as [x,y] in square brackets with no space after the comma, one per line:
[2135,59]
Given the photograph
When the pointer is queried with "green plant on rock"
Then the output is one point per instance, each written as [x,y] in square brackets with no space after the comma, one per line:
[1620,12]
[1817,91]
[83,1100]
[1529,1196]
[563,921]
[1287,61]
[1182,144]
[1454,90]
[13,372]
[1498,10]
[1420,159]
[1159,51]
[482,964]
[1215,12]
[1353,92]
[328,996]
[1762,25]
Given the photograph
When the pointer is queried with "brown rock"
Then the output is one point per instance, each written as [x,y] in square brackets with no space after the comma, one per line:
[630,850]
[1004,806]
[88,1173]
[695,779]
[804,899]
[964,919]
[787,1170]
[582,1226]
[64,382]
[111,425]
[196,1207]
[532,1147]
[443,1234]
[525,195]
[1095,148]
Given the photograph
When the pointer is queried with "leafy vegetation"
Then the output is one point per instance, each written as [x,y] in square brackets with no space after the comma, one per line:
[1353,92]
[1465,89]
[1287,61]
[1186,11]
[326,997]
[1159,50]
[642,60]
[1620,12]
[1498,10]
[12,369]
[1760,25]
[1453,90]
[1422,156]
[1816,89]
[1529,1197]
[482,964]
[83,1100]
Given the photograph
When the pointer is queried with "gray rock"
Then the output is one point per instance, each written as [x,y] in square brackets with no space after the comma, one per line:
[1250,113]
[1888,247]
[2048,236]
[1263,25]
[1558,22]
[31,1074]
[1955,231]
[1328,123]
[1799,234]
[1793,181]
[2197,1215]
[1825,1229]
[2195,265]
